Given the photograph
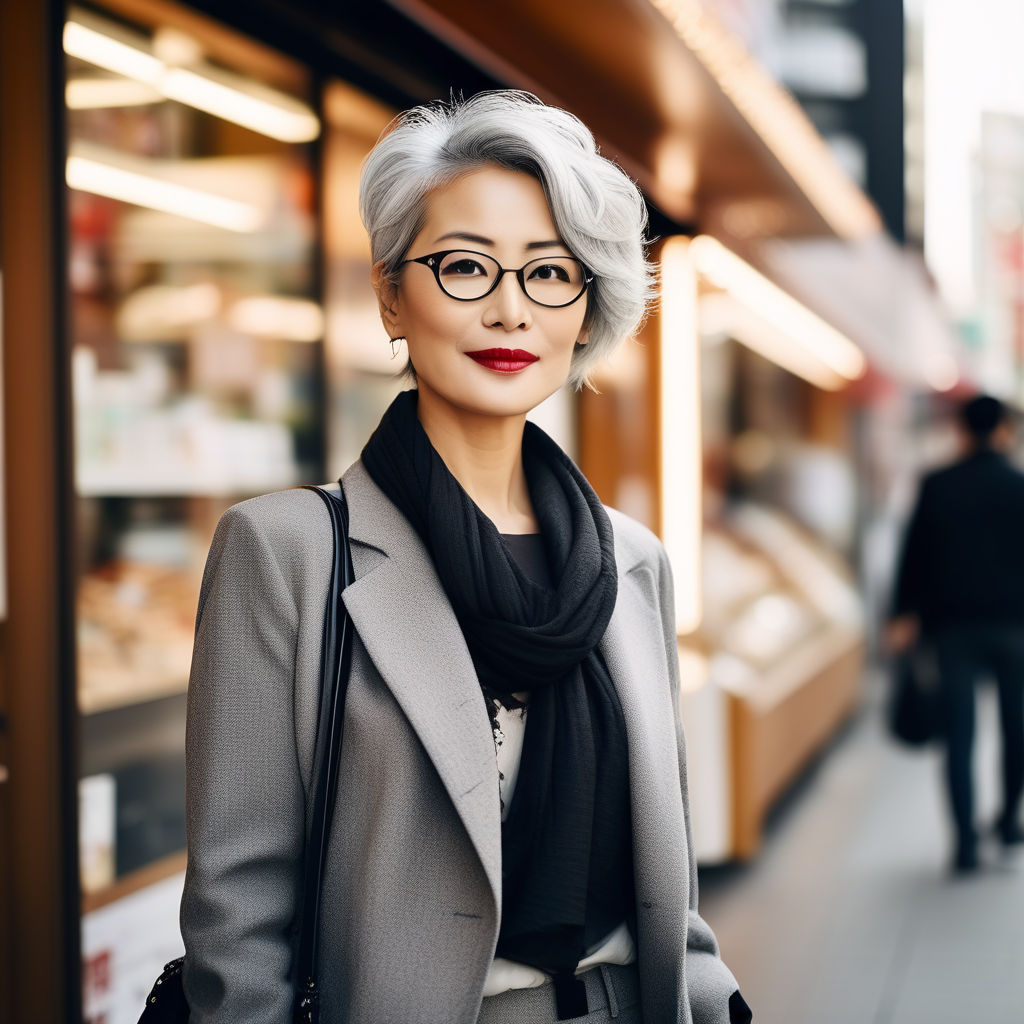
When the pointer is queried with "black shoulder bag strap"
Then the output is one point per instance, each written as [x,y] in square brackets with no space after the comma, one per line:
[166,1003]
[336,660]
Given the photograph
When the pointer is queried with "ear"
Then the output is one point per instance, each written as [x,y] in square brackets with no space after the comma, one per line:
[387,300]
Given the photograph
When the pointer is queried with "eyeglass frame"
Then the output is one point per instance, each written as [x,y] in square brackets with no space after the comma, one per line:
[439,256]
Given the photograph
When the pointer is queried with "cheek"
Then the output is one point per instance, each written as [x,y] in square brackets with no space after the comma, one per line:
[434,331]
[571,331]
[426,316]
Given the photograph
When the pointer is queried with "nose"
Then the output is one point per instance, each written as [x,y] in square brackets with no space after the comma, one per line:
[507,307]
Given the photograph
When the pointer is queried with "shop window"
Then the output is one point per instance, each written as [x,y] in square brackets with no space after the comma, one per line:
[197,373]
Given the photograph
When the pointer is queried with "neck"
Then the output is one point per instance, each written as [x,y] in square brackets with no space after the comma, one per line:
[485,454]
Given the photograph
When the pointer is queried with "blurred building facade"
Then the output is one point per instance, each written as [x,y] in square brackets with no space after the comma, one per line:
[181,242]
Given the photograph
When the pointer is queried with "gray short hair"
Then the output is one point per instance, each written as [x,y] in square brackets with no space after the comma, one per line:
[598,210]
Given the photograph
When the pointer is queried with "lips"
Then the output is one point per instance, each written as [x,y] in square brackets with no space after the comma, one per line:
[503,360]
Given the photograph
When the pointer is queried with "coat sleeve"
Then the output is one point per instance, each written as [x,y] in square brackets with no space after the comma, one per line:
[244,795]
[713,992]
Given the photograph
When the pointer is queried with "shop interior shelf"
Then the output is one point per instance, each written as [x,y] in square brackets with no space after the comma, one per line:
[101,482]
[92,702]
[154,872]
[133,732]
[132,797]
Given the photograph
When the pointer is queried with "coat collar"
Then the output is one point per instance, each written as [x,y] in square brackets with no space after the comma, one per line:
[377,522]
[403,618]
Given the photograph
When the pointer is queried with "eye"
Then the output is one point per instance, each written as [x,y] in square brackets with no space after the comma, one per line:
[549,272]
[463,267]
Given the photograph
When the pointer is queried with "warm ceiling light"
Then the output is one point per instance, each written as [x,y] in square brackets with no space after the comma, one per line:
[95,47]
[805,332]
[230,97]
[723,317]
[273,114]
[775,345]
[130,186]
[775,116]
[101,93]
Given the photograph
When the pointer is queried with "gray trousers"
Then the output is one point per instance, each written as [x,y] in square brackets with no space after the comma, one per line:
[613,997]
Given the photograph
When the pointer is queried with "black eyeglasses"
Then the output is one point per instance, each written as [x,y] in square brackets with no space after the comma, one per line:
[552,281]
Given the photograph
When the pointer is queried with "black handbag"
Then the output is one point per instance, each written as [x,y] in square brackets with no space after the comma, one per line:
[915,703]
[166,1002]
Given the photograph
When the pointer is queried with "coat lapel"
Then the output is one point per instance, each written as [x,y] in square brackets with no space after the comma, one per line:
[405,622]
[633,649]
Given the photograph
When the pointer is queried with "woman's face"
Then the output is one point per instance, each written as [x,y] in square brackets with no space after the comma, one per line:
[503,354]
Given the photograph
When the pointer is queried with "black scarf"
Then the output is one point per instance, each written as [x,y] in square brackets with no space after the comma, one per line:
[567,869]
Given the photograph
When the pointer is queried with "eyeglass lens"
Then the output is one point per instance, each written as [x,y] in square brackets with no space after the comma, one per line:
[550,281]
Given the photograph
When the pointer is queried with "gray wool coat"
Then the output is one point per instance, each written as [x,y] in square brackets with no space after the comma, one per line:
[411,904]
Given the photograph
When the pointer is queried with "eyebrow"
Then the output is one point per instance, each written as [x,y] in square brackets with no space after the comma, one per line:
[467,236]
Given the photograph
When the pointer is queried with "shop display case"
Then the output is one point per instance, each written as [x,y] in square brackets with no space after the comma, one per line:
[770,675]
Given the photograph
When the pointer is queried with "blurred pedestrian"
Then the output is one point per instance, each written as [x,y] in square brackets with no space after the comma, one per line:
[960,588]
[511,840]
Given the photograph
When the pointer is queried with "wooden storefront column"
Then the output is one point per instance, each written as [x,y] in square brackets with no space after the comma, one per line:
[39,899]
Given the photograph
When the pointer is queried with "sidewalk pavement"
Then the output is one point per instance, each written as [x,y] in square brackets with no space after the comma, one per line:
[849,914]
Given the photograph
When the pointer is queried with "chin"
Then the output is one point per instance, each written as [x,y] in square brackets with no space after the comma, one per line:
[500,405]
[497,398]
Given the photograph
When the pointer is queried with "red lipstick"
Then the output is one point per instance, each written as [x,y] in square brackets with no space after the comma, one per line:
[503,360]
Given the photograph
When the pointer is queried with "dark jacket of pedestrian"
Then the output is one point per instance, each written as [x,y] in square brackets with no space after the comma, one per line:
[963,558]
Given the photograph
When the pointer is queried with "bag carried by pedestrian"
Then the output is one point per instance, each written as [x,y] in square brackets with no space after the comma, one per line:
[914,712]
[166,1003]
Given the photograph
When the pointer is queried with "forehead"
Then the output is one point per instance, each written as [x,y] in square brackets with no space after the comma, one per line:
[494,202]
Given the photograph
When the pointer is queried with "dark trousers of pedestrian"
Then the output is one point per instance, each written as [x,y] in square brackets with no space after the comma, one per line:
[967,653]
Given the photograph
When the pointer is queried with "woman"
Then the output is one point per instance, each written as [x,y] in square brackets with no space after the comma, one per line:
[511,835]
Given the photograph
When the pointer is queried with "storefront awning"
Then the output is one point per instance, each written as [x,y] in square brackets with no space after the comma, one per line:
[675,99]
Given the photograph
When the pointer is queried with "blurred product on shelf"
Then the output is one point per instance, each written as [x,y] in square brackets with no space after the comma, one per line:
[135,631]
[96,831]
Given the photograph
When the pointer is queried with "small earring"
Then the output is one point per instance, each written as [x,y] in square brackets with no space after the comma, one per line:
[394,344]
